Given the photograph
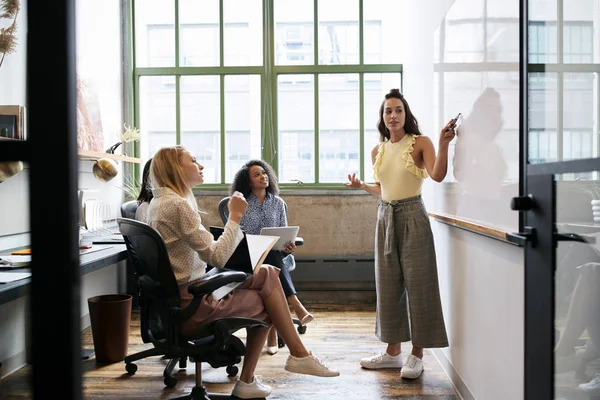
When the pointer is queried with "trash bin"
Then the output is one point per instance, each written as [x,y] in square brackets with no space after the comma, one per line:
[110,315]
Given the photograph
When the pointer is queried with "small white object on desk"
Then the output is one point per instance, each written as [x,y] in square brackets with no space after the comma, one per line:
[6,277]
[15,261]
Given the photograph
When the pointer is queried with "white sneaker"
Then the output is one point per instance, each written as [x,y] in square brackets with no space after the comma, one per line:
[382,360]
[413,368]
[309,365]
[592,387]
[252,390]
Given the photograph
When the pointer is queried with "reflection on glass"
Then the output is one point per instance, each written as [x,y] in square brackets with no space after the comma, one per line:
[294,41]
[543,45]
[198,20]
[478,76]
[376,87]
[577,298]
[296,126]
[200,115]
[338,32]
[242,122]
[157,113]
[338,126]
[243,32]
[543,118]
[579,93]
[154,33]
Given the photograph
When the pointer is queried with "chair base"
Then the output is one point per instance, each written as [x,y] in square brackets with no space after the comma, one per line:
[200,393]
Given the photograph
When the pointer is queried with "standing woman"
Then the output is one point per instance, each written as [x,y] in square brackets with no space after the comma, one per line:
[405,261]
[257,181]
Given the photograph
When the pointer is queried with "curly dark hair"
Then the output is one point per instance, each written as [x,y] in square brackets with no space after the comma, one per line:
[411,125]
[145,190]
[241,181]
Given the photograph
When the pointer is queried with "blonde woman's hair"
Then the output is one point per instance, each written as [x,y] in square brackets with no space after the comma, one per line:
[166,171]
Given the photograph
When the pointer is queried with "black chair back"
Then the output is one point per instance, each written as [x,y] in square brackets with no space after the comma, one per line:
[129,208]
[157,286]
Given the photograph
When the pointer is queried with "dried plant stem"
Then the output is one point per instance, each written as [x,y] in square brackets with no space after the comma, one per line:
[10,31]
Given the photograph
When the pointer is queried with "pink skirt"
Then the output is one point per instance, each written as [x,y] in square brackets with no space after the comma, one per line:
[245,301]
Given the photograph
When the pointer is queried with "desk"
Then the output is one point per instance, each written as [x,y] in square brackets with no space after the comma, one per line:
[88,263]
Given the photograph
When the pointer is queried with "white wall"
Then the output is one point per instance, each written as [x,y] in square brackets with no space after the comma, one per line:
[482,289]
[481,279]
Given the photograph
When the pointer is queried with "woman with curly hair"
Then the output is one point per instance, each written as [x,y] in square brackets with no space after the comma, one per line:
[257,181]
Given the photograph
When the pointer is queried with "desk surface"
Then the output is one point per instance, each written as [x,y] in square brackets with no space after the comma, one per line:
[89,262]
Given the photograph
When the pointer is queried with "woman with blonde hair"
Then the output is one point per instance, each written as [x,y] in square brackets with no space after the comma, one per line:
[173,212]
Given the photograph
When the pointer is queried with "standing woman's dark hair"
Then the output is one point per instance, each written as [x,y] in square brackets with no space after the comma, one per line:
[241,180]
[411,125]
[145,190]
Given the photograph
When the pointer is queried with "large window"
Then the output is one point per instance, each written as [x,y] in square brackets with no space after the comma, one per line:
[296,85]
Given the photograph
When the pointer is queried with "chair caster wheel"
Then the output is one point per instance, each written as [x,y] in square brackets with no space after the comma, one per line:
[302,329]
[131,368]
[170,381]
[232,370]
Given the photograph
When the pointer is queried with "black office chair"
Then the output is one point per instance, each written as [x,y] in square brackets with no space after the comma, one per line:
[161,315]
[224,214]
[129,208]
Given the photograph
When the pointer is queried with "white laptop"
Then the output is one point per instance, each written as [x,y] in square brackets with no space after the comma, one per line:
[286,234]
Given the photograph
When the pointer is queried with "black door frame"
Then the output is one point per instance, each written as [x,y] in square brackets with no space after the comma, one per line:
[538,223]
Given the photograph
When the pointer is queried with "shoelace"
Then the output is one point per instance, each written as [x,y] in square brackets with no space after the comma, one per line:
[412,362]
[321,363]
[378,357]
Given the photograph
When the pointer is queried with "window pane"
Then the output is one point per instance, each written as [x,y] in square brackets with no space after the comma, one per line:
[338,32]
[198,20]
[578,115]
[376,87]
[243,37]
[154,33]
[380,30]
[296,125]
[201,122]
[542,25]
[294,31]
[543,117]
[580,22]
[157,113]
[338,127]
[242,122]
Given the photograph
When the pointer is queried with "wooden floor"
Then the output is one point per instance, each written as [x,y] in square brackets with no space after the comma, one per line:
[340,335]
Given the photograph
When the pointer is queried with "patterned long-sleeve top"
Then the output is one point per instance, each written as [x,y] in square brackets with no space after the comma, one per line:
[271,213]
[189,244]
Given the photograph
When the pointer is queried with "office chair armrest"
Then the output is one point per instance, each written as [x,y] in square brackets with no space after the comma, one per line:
[299,241]
[206,285]
[209,284]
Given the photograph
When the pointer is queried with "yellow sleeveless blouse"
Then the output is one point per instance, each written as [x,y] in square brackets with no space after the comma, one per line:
[395,170]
